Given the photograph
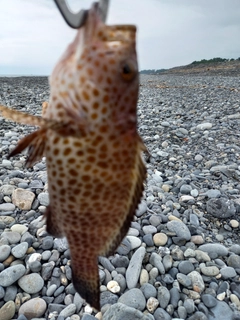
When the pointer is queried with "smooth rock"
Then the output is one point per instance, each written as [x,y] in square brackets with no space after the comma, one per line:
[180,229]
[4,252]
[11,275]
[7,311]
[134,268]
[31,283]
[23,199]
[160,239]
[221,311]
[20,250]
[33,308]
[120,311]
[197,281]
[133,298]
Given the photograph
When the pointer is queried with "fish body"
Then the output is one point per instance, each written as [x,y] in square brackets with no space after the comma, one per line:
[88,134]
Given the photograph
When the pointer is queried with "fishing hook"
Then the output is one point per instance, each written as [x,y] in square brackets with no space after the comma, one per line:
[77,20]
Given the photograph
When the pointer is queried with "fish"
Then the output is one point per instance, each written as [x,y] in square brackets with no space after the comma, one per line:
[88,134]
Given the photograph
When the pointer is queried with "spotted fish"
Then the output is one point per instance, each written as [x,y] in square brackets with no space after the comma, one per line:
[88,134]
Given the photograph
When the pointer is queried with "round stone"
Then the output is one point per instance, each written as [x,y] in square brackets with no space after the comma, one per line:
[20,250]
[31,283]
[133,298]
[234,223]
[160,239]
[33,308]
[209,300]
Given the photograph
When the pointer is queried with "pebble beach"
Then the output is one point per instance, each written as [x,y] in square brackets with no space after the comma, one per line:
[181,256]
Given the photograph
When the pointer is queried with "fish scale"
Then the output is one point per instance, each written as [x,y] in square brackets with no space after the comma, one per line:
[88,134]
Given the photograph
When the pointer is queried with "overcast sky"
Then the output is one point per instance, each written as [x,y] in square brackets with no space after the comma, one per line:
[33,35]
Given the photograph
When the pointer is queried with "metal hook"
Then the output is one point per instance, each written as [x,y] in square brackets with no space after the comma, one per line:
[77,20]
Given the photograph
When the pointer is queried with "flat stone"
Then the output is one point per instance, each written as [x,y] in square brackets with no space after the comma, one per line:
[68,311]
[12,237]
[120,311]
[6,220]
[23,199]
[135,242]
[221,311]
[4,252]
[211,271]
[163,296]
[134,268]
[20,250]
[7,311]
[7,207]
[180,229]
[209,300]
[33,308]
[214,250]
[133,298]
[228,272]
[11,275]
[31,283]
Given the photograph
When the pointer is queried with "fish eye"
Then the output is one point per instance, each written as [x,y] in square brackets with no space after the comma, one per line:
[128,70]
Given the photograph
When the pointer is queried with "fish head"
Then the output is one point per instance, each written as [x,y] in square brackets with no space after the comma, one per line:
[98,73]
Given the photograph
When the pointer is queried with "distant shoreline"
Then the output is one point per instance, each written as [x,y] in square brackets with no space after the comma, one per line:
[21,75]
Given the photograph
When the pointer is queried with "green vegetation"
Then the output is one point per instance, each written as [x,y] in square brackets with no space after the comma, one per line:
[213,60]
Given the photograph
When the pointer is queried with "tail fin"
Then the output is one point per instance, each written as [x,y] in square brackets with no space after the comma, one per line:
[86,280]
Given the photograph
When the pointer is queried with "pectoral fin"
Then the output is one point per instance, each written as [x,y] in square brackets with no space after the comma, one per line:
[21,117]
[36,144]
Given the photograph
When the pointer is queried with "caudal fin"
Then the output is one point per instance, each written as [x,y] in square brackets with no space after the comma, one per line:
[86,280]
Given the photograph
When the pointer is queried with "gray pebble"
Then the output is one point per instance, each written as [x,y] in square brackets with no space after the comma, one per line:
[161,314]
[185,267]
[31,283]
[120,311]
[228,272]
[11,275]
[20,250]
[163,297]
[134,268]
[133,298]
[179,228]
[148,290]
[221,311]
[4,252]
[189,305]
[156,261]
[68,311]
[209,300]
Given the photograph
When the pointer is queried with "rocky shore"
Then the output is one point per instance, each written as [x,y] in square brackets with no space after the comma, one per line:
[181,257]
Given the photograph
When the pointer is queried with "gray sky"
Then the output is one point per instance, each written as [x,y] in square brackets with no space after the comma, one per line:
[33,35]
